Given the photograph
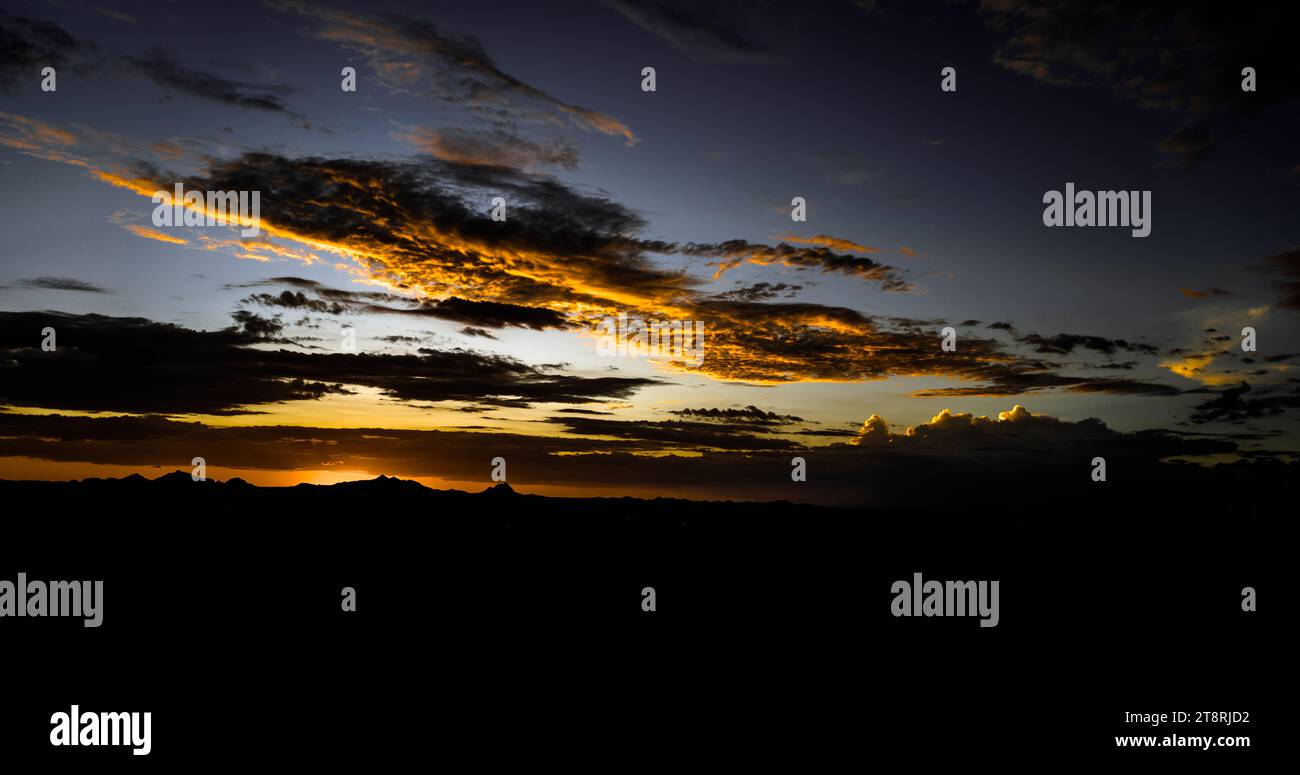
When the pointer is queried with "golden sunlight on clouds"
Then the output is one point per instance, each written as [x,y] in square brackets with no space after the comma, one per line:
[154,234]
[364,408]
[372,222]
[825,240]
[948,418]
[30,134]
[1195,367]
[32,469]
[38,139]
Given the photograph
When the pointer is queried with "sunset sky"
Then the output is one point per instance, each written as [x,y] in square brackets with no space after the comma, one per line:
[475,337]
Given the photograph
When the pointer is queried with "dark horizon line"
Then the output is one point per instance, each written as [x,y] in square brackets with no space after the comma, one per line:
[180,478]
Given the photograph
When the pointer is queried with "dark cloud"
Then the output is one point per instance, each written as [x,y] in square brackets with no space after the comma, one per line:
[493,314]
[1286,264]
[558,249]
[318,289]
[165,69]
[761,292]
[414,56]
[830,432]
[298,300]
[377,206]
[1235,404]
[60,284]
[662,434]
[28,45]
[472,331]
[1184,59]
[400,339]
[1124,387]
[1188,144]
[333,301]
[682,27]
[1064,344]
[1019,379]
[750,414]
[140,366]
[258,328]
[820,258]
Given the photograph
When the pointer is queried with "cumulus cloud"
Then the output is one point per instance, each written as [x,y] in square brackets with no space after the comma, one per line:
[1019,461]
[1021,432]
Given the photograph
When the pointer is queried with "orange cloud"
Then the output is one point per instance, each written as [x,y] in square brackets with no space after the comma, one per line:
[154,234]
[574,254]
[39,139]
[1196,367]
[826,240]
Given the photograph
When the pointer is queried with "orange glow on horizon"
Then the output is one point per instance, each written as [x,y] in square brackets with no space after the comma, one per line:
[33,469]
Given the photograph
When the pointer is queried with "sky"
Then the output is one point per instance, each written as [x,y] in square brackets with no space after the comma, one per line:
[478,338]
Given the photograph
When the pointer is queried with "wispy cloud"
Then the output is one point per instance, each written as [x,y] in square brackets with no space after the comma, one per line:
[164,68]
[1215,290]
[685,29]
[495,148]
[60,284]
[154,234]
[1154,55]
[410,55]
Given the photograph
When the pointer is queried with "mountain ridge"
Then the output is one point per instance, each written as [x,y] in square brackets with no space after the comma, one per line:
[381,485]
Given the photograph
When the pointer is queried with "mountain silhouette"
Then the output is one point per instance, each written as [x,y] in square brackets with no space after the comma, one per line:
[177,479]
[499,504]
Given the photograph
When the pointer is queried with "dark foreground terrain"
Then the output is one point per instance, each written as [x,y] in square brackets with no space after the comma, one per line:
[498,624]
